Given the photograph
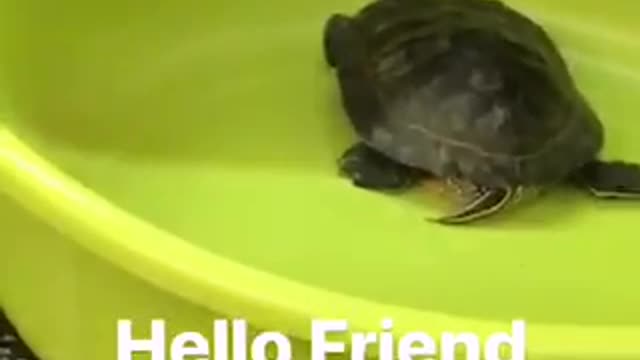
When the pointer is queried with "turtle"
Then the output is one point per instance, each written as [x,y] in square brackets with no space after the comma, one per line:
[471,92]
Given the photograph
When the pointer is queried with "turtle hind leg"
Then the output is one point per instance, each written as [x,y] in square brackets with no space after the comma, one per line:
[341,41]
[485,203]
[611,180]
[369,169]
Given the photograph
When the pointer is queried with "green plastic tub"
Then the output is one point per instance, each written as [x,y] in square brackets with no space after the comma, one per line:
[176,160]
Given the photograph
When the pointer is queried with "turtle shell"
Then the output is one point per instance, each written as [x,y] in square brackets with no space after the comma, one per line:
[468,89]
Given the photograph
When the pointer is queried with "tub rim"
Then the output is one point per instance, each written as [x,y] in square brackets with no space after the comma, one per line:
[266,300]
[269,301]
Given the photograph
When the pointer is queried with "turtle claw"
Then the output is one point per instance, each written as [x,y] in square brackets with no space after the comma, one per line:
[487,202]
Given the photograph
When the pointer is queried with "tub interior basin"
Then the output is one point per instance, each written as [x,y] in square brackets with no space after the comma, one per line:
[223,128]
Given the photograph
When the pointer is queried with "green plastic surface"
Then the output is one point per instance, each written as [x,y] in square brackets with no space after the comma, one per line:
[177,160]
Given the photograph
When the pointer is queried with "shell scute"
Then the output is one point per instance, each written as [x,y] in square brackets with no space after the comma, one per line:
[473,89]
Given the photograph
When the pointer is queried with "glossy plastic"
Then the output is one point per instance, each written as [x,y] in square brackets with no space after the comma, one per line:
[177,160]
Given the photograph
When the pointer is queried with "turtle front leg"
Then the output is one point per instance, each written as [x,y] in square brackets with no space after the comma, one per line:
[610,180]
[369,169]
[486,202]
